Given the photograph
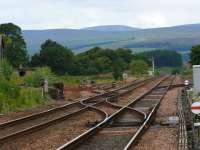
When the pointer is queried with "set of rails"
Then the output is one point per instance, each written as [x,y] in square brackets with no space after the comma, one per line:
[19,127]
[131,119]
[117,131]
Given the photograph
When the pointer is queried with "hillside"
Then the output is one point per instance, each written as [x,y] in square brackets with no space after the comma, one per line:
[111,28]
[179,38]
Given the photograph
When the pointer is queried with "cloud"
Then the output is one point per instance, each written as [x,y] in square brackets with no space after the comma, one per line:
[152,20]
[40,14]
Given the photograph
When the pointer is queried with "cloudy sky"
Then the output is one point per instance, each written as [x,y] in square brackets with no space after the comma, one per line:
[46,14]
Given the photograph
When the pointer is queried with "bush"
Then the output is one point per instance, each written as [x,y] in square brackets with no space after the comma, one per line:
[6,70]
[139,67]
[28,97]
[14,97]
[34,78]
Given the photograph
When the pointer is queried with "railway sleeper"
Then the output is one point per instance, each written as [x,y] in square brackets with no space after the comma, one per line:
[146,103]
[126,124]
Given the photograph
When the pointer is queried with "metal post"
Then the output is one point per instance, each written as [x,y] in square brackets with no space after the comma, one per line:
[153,66]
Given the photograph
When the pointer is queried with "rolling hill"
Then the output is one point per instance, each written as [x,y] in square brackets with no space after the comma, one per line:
[111,28]
[180,38]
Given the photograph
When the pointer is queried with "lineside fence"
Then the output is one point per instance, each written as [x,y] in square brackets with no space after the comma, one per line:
[187,138]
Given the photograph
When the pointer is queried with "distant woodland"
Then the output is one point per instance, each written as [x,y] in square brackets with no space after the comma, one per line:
[96,60]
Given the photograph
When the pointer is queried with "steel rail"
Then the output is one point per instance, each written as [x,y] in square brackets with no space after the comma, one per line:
[49,123]
[46,124]
[40,114]
[147,122]
[81,138]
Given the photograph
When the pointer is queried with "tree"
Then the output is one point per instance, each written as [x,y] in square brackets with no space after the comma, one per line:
[164,58]
[119,67]
[195,55]
[15,46]
[125,54]
[139,67]
[103,64]
[54,55]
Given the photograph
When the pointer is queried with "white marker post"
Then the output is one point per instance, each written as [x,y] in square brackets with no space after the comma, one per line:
[125,76]
[46,86]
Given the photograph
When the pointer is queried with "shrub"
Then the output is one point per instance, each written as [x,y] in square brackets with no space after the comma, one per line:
[34,78]
[6,70]
[139,67]
[13,96]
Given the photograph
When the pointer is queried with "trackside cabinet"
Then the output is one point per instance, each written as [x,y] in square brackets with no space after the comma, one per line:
[196,78]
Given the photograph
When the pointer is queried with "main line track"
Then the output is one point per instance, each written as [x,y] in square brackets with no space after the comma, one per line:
[26,125]
[122,129]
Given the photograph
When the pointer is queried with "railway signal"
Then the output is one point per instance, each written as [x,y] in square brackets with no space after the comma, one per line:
[186,82]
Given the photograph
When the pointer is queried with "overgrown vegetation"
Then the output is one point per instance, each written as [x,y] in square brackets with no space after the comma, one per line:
[13,96]
[35,77]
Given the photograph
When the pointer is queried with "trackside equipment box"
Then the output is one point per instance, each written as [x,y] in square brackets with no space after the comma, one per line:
[196,78]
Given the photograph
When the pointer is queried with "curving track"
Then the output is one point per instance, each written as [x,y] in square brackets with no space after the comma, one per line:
[28,125]
[123,127]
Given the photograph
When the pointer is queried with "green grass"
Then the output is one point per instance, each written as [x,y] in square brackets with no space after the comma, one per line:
[27,98]
[14,97]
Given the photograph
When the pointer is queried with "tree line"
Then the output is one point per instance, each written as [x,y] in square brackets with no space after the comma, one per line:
[94,61]
[163,58]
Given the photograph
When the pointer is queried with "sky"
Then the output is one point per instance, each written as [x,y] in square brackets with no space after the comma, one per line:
[49,14]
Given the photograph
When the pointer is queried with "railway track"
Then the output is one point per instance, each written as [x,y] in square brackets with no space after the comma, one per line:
[122,129]
[30,124]
[124,100]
